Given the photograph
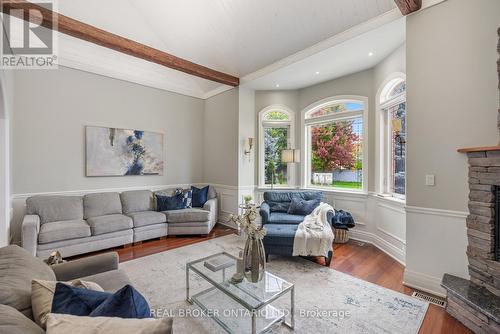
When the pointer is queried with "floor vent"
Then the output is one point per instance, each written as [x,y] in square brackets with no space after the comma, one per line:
[441,302]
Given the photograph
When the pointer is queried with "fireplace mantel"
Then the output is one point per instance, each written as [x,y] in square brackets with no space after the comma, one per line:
[479,149]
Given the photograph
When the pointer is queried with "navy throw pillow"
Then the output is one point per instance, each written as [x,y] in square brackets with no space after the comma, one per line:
[125,303]
[302,207]
[76,301]
[200,196]
[166,203]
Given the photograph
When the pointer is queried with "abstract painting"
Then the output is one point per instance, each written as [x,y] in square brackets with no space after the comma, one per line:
[117,152]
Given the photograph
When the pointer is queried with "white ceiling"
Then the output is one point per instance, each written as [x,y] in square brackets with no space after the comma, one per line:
[238,37]
[356,54]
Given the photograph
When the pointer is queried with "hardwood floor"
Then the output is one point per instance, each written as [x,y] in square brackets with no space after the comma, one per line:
[354,258]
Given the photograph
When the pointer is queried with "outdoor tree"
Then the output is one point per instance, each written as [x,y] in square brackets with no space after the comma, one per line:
[275,141]
[334,146]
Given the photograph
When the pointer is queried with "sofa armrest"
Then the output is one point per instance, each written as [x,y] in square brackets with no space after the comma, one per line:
[265,211]
[86,266]
[29,233]
[211,205]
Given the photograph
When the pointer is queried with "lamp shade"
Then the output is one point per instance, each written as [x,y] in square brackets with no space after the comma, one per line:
[290,156]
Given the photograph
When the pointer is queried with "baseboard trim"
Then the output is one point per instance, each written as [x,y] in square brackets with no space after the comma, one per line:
[386,247]
[424,283]
[227,225]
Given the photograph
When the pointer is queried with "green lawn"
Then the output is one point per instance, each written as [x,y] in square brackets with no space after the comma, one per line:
[346,185]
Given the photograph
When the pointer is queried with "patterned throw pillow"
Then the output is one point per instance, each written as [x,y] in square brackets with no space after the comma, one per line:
[187,195]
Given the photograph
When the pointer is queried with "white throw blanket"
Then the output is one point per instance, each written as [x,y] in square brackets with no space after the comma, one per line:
[314,236]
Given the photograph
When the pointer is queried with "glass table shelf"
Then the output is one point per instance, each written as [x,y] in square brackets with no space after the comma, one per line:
[243,307]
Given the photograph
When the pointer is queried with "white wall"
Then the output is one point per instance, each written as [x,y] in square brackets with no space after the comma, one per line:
[452,102]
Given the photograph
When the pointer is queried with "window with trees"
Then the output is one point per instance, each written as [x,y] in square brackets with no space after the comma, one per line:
[393,106]
[276,135]
[334,145]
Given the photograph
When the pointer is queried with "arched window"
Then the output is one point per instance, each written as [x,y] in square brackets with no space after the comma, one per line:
[393,107]
[334,148]
[276,133]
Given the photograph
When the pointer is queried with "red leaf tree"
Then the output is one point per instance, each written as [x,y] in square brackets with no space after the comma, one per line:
[334,146]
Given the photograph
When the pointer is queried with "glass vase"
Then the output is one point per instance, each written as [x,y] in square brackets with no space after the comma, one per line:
[254,259]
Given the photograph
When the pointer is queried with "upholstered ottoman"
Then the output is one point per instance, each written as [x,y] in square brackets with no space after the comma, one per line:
[280,238]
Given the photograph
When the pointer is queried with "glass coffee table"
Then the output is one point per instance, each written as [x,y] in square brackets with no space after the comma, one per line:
[239,307]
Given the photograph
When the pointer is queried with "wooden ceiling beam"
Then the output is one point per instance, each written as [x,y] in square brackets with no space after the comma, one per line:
[408,6]
[86,32]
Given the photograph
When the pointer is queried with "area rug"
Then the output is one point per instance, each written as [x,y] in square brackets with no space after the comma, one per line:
[326,300]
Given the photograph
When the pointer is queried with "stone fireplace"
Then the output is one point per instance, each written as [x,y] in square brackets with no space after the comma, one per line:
[476,302]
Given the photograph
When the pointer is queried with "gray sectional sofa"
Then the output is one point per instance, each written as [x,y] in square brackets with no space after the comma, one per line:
[18,268]
[80,224]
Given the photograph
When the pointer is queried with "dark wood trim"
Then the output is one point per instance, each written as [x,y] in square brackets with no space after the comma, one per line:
[478,149]
[408,6]
[86,32]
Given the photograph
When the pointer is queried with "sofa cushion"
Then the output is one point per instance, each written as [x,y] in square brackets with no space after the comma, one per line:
[55,208]
[280,234]
[63,230]
[137,201]
[17,268]
[279,201]
[284,218]
[147,218]
[14,322]
[65,323]
[101,204]
[109,223]
[187,215]
[110,281]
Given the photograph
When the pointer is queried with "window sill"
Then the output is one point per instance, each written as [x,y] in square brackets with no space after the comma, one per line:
[389,198]
[339,191]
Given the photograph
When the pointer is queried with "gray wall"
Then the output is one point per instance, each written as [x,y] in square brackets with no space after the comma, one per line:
[247,129]
[49,138]
[452,96]
[360,83]
[220,142]
[452,102]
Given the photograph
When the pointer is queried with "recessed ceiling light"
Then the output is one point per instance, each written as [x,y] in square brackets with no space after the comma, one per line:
[277,85]
[317,72]
[370,54]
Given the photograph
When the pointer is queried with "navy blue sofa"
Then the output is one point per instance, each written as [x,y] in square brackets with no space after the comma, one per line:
[280,225]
